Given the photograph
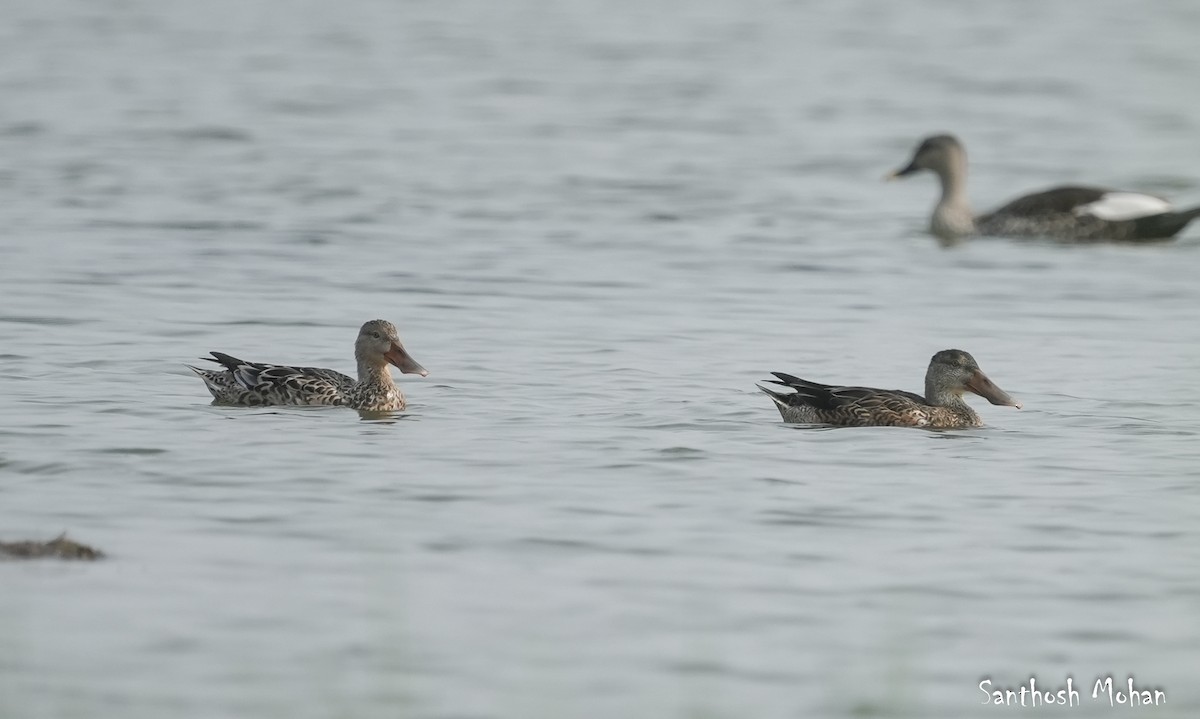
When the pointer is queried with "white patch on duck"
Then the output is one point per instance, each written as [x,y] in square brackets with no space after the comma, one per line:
[1117,206]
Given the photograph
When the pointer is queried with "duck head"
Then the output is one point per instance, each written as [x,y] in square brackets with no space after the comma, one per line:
[941,154]
[378,344]
[952,372]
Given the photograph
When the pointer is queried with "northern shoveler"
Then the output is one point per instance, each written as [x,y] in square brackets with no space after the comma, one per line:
[950,373]
[58,548]
[1068,214]
[255,384]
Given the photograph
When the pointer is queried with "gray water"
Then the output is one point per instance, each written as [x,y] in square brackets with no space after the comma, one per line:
[597,224]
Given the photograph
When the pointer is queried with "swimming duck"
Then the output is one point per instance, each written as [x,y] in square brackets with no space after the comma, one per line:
[58,548]
[950,373]
[1068,214]
[255,384]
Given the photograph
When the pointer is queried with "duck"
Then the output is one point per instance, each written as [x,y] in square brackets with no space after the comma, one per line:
[951,373]
[1072,213]
[58,548]
[258,384]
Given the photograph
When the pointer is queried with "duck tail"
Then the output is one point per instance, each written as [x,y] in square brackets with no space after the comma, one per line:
[777,397]
[211,378]
[1164,225]
[227,361]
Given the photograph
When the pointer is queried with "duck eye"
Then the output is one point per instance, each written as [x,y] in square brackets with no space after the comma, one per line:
[375,335]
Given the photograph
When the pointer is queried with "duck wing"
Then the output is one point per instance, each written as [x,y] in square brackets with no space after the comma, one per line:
[835,404]
[1058,201]
[1087,214]
[259,383]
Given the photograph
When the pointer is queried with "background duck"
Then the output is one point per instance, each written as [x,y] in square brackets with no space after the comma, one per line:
[950,373]
[255,384]
[1070,214]
[58,548]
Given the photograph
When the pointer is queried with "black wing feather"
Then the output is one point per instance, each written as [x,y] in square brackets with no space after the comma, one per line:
[1058,201]
[831,397]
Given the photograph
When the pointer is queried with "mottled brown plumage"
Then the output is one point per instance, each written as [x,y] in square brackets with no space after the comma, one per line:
[256,384]
[58,548]
[950,373]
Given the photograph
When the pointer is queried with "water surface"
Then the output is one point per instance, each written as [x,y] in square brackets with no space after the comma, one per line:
[597,225]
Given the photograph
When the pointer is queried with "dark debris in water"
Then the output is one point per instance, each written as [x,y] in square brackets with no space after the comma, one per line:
[58,548]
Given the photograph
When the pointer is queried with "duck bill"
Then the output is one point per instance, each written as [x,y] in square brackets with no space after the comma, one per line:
[398,356]
[908,169]
[986,388]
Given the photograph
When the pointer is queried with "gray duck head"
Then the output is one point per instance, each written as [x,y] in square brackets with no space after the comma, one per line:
[941,154]
[944,156]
